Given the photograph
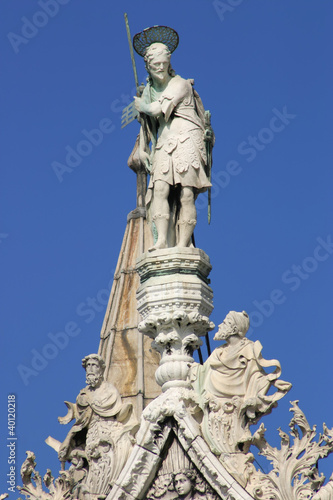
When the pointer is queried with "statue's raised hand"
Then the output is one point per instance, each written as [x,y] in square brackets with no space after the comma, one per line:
[145,160]
[140,104]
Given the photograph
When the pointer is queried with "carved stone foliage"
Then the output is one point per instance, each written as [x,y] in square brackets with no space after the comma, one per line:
[107,449]
[176,402]
[32,489]
[194,440]
[176,337]
[294,475]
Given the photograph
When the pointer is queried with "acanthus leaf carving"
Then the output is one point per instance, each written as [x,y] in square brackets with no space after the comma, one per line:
[178,320]
[32,488]
[294,475]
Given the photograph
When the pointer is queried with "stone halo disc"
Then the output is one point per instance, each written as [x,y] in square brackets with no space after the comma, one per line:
[161,34]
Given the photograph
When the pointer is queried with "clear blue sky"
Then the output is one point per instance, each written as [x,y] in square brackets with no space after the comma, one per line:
[263,69]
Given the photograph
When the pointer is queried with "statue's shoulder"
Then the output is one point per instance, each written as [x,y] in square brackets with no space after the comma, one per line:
[83,397]
[186,81]
[146,92]
[249,349]
[179,82]
[216,355]
[109,388]
[84,391]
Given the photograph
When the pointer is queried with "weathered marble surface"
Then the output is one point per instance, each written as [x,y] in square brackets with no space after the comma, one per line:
[187,446]
[99,442]
[174,301]
[173,413]
[233,387]
[130,362]
[179,160]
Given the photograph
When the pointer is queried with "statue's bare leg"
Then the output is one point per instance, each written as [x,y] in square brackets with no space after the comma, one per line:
[187,216]
[161,213]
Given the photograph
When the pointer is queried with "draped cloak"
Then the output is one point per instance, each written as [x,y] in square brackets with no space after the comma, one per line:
[240,372]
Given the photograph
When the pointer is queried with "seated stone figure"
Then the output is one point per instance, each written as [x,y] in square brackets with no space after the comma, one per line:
[233,388]
[104,429]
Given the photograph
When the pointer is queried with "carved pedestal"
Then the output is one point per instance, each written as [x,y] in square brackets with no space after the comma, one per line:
[175,300]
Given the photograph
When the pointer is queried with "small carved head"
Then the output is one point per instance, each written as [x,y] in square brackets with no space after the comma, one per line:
[235,323]
[94,366]
[184,482]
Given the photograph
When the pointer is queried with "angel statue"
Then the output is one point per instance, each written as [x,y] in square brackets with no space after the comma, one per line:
[175,140]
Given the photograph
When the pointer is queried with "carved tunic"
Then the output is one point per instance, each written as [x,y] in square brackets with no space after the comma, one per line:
[179,154]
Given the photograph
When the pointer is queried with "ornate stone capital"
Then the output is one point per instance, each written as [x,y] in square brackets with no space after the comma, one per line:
[174,300]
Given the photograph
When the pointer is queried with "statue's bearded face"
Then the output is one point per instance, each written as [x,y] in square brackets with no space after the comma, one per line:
[227,328]
[157,60]
[93,373]
[159,66]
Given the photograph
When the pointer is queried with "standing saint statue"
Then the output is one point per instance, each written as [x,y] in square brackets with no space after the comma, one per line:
[173,144]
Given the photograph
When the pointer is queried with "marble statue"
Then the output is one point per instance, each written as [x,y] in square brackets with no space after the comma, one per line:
[173,121]
[194,440]
[233,387]
[103,433]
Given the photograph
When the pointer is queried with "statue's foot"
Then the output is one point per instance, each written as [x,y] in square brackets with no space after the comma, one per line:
[158,246]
